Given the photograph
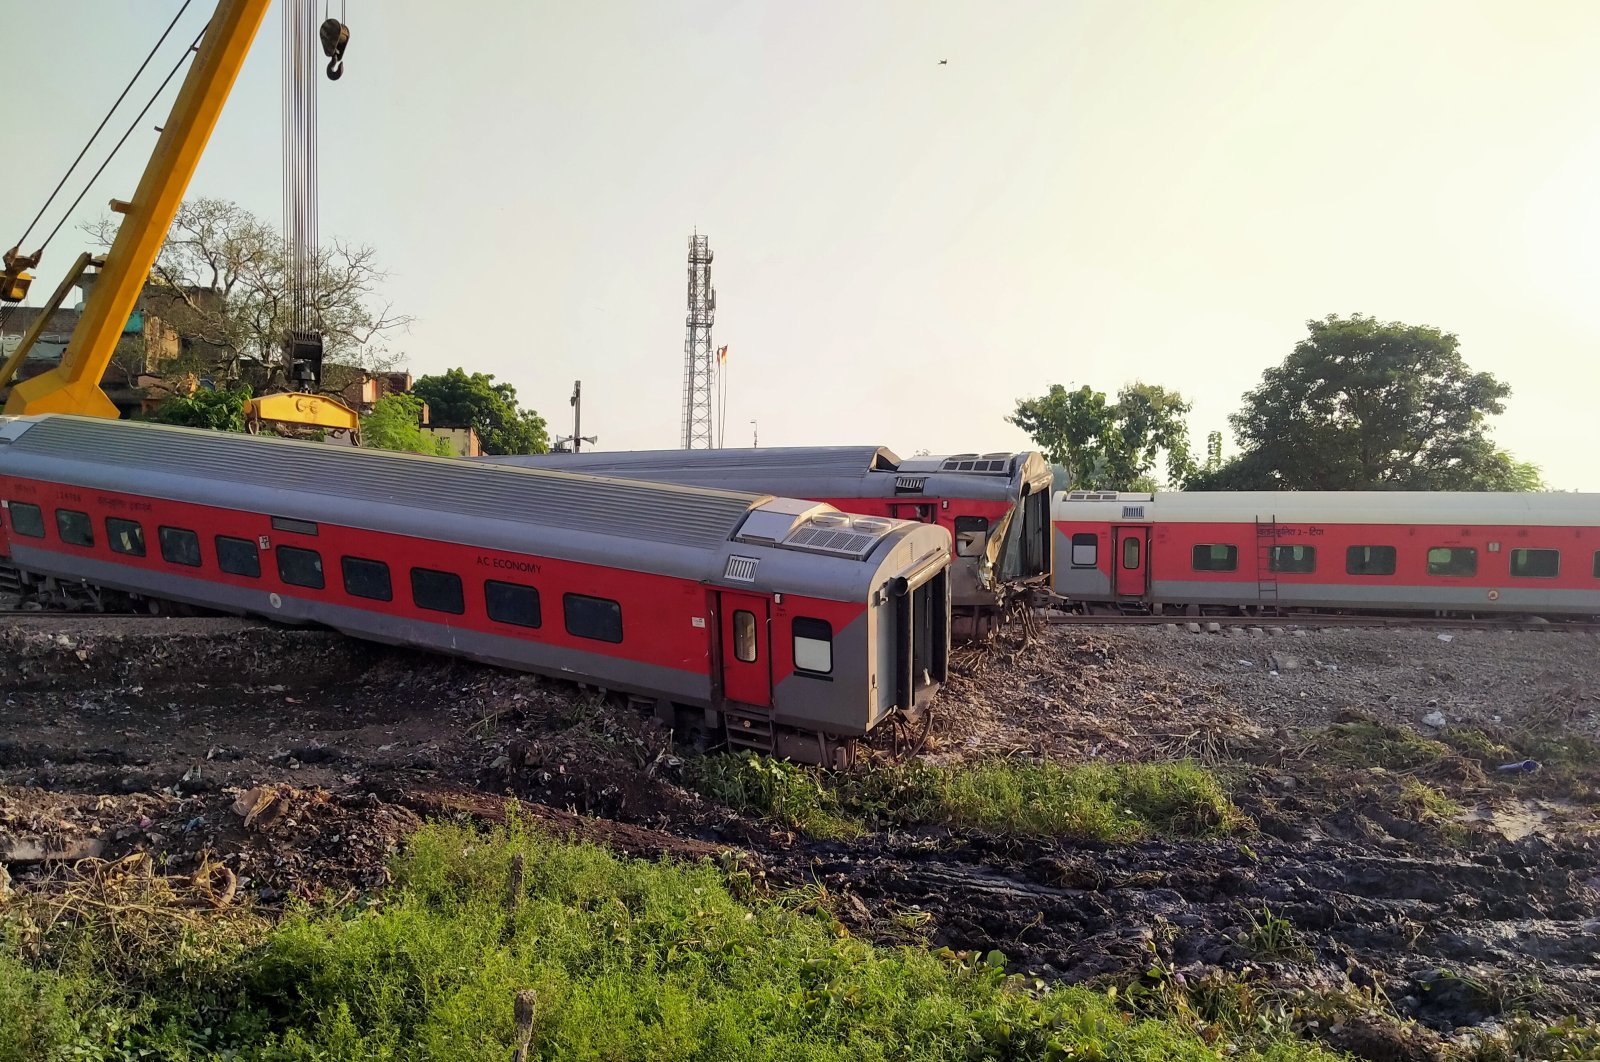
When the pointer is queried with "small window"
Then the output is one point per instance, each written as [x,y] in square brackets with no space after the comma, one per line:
[366,578]
[1216,558]
[180,547]
[1085,549]
[238,556]
[813,645]
[299,527]
[1130,553]
[1292,559]
[1535,563]
[300,567]
[76,528]
[1453,561]
[592,617]
[971,533]
[512,603]
[125,536]
[1369,560]
[28,521]
[437,591]
[744,636]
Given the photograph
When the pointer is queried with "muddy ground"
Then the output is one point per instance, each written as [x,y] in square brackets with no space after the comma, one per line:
[301,760]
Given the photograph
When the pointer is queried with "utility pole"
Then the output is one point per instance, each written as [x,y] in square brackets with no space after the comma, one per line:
[755,435]
[577,438]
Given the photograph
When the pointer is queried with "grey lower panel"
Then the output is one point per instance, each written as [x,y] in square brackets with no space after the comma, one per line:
[1089,584]
[841,702]
[521,654]
[1387,595]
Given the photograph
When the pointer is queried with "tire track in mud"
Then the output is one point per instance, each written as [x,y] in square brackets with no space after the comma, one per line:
[1367,915]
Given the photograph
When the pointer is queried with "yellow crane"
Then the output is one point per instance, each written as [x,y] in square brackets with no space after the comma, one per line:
[74,385]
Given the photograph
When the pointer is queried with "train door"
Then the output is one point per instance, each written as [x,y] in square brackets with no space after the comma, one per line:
[746,649]
[1131,560]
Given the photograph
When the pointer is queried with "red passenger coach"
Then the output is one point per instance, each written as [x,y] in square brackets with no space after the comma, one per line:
[786,625]
[995,506]
[1366,551]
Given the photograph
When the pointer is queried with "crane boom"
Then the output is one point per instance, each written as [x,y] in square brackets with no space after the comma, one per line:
[74,385]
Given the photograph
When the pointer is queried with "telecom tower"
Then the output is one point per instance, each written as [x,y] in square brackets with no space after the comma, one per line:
[699,363]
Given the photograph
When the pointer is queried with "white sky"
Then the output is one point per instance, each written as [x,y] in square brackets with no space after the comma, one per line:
[1090,192]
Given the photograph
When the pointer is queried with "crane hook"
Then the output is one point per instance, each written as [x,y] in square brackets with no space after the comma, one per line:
[335,39]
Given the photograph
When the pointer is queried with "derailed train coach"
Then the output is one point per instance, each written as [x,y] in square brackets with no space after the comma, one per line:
[995,506]
[778,624]
[1347,551]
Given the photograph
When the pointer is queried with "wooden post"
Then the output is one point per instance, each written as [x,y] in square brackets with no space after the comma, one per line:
[519,867]
[524,1015]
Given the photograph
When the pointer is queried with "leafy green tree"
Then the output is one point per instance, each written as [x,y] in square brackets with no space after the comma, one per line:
[489,407]
[217,410]
[1367,405]
[1110,445]
[395,424]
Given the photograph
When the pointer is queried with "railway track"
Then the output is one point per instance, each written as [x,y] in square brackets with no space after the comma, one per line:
[1068,619]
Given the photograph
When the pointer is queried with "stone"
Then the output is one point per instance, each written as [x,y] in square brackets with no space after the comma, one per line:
[1257,632]
[1213,628]
[1283,662]
[1436,720]
[1192,628]
[1276,632]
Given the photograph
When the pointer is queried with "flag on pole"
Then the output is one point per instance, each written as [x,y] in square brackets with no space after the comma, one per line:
[722,355]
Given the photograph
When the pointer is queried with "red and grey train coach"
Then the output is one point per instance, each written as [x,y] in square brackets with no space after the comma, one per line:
[1367,551]
[785,624]
[995,506]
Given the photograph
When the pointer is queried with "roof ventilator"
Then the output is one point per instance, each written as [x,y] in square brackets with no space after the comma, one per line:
[741,569]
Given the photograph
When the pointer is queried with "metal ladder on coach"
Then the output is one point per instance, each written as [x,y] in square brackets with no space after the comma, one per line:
[750,728]
[1266,577]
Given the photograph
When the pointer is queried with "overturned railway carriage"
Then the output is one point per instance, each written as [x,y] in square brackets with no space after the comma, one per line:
[1357,551]
[995,506]
[784,624]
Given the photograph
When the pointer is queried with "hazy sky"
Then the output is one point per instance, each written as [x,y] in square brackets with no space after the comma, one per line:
[1088,193]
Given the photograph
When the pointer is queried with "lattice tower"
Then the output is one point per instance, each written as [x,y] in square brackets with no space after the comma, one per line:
[699,363]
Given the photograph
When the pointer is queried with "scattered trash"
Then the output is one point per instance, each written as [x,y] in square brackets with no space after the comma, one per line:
[1520,767]
[1447,637]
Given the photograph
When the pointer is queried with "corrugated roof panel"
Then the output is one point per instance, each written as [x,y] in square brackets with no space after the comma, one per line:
[737,466]
[691,516]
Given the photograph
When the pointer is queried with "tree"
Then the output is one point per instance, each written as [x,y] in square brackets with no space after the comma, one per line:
[1110,445]
[489,407]
[395,424]
[216,410]
[223,282]
[1367,405]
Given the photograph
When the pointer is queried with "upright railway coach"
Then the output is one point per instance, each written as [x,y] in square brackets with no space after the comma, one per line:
[1367,551]
[786,625]
[995,506]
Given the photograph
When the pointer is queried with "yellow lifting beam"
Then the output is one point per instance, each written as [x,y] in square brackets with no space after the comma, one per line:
[297,407]
[74,385]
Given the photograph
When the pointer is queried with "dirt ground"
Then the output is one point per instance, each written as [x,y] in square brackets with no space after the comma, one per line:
[300,760]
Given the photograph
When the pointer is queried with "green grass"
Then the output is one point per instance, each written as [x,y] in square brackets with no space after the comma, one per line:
[629,960]
[1364,743]
[1104,802]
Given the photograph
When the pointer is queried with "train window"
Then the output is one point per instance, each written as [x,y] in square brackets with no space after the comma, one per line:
[125,536]
[813,645]
[1452,560]
[512,603]
[971,532]
[1085,549]
[437,591]
[238,556]
[1535,563]
[1369,560]
[1216,558]
[28,520]
[179,546]
[300,567]
[366,578]
[299,527]
[592,617]
[1130,553]
[1597,564]
[1292,559]
[76,528]
[744,636]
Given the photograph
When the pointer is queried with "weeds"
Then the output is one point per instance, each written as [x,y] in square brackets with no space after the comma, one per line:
[1092,802]
[1433,808]
[1365,743]
[629,960]
[1272,936]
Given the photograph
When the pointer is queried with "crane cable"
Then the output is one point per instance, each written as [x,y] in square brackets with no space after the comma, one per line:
[6,312]
[101,127]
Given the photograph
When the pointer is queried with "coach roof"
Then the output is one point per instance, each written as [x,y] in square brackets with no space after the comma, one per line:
[689,516]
